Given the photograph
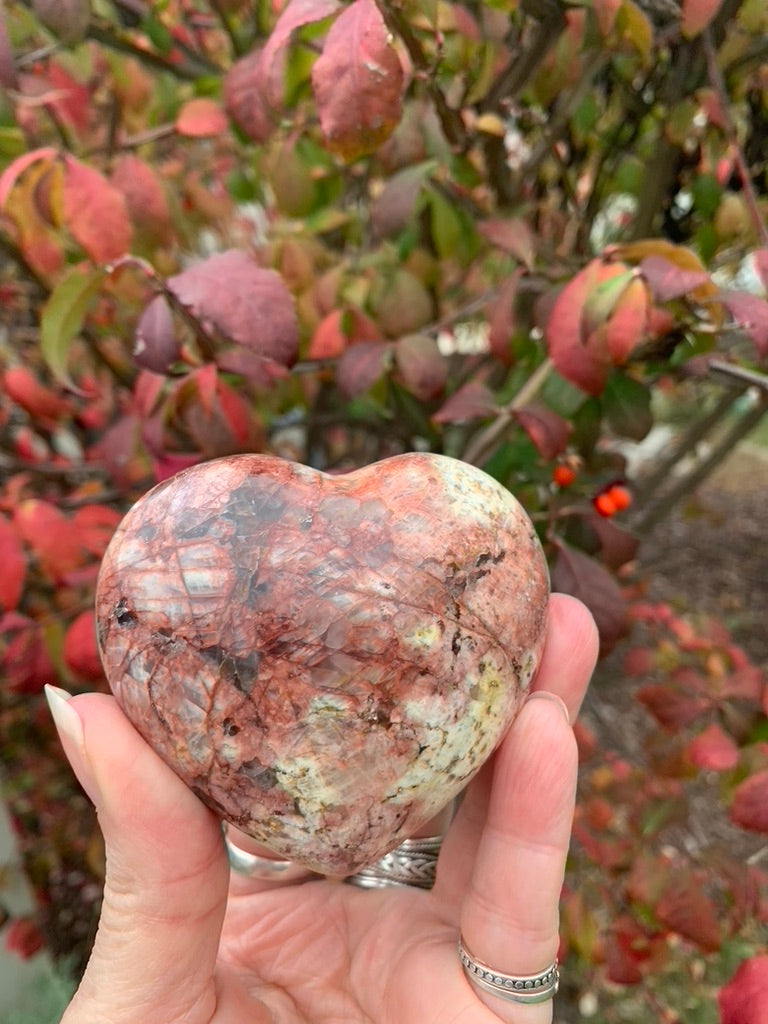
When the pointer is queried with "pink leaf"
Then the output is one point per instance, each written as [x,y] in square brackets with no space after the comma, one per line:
[200,118]
[513,236]
[567,348]
[548,431]
[144,195]
[714,750]
[472,401]
[685,908]
[697,14]
[14,567]
[358,82]
[576,574]
[80,651]
[750,803]
[361,366]
[245,97]
[501,318]
[751,312]
[672,708]
[617,545]
[95,212]
[16,168]
[295,15]
[421,367]
[156,346]
[242,301]
[669,281]
[744,1000]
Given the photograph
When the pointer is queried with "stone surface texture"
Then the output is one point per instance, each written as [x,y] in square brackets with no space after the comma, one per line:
[325,660]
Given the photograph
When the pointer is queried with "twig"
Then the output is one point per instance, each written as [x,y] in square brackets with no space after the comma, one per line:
[450,119]
[717,82]
[229,28]
[481,446]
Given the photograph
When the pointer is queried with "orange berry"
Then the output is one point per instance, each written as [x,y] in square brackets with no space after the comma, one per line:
[563,476]
[620,496]
[604,505]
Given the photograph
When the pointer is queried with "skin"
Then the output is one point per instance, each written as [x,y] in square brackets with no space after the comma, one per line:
[179,941]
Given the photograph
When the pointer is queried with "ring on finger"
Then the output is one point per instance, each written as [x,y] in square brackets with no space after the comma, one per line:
[411,864]
[263,869]
[521,988]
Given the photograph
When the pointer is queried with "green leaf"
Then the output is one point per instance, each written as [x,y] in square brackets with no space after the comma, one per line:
[627,406]
[63,316]
[453,231]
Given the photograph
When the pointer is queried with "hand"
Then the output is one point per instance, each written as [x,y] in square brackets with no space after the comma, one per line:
[177,943]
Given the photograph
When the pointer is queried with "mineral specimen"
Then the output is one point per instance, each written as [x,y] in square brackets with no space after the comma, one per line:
[325,660]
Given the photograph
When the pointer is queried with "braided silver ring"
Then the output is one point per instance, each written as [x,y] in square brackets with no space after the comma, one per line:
[522,988]
[263,869]
[413,863]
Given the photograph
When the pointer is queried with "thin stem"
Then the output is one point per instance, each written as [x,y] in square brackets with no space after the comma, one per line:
[717,82]
[483,444]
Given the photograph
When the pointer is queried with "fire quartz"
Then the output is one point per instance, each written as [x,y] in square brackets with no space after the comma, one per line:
[325,660]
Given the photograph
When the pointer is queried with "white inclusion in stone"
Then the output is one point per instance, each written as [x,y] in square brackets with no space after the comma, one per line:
[425,636]
[305,779]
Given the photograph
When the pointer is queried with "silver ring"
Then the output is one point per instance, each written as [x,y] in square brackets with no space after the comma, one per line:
[263,869]
[413,863]
[520,988]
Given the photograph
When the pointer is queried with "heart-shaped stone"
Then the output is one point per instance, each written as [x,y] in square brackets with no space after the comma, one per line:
[325,660]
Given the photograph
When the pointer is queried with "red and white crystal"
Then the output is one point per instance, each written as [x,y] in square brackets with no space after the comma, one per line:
[325,660]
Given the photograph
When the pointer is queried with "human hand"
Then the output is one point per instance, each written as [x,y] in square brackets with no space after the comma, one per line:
[179,942]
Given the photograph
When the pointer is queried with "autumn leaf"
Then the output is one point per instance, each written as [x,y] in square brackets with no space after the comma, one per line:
[95,212]
[63,316]
[68,19]
[14,567]
[672,708]
[548,431]
[581,576]
[714,750]
[420,366]
[340,329]
[145,197]
[744,999]
[362,365]
[243,302]
[513,236]
[751,312]
[472,401]
[358,82]
[16,168]
[81,655]
[7,65]
[697,15]
[685,908]
[750,803]
[201,118]
[295,15]
[245,97]
[156,346]
[668,281]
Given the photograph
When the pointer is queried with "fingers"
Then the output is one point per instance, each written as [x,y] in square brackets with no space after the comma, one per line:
[570,652]
[166,883]
[509,917]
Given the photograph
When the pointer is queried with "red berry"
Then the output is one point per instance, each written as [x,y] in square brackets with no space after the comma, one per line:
[604,505]
[563,476]
[620,496]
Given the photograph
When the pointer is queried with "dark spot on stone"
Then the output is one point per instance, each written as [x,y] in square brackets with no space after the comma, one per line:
[229,728]
[195,532]
[456,642]
[123,615]
[257,589]
[148,531]
[261,774]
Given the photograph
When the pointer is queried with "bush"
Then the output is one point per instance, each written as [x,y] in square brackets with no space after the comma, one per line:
[496,231]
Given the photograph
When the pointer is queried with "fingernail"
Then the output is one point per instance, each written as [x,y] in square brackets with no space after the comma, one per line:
[553,699]
[69,726]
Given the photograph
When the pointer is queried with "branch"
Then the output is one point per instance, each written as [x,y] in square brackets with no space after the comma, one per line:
[450,119]
[483,444]
[717,82]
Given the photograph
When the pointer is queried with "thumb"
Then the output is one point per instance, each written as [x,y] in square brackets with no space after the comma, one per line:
[166,882]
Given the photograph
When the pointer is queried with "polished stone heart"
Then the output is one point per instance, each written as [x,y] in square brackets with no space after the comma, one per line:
[325,660]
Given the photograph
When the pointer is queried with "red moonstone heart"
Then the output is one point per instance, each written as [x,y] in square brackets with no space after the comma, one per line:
[325,660]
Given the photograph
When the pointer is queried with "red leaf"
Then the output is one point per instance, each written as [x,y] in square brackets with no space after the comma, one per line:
[582,367]
[145,196]
[95,525]
[95,212]
[744,1000]
[244,302]
[23,938]
[14,567]
[296,14]
[201,118]
[714,750]
[617,545]
[362,365]
[26,665]
[671,708]
[472,401]
[513,236]
[40,402]
[628,324]
[245,97]
[394,208]
[51,536]
[420,366]
[358,82]
[80,651]
[750,803]
[576,574]
[548,431]
[156,347]
[639,661]
[340,329]
[16,168]
[501,319]
[669,281]
[751,312]
[697,14]
[686,909]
